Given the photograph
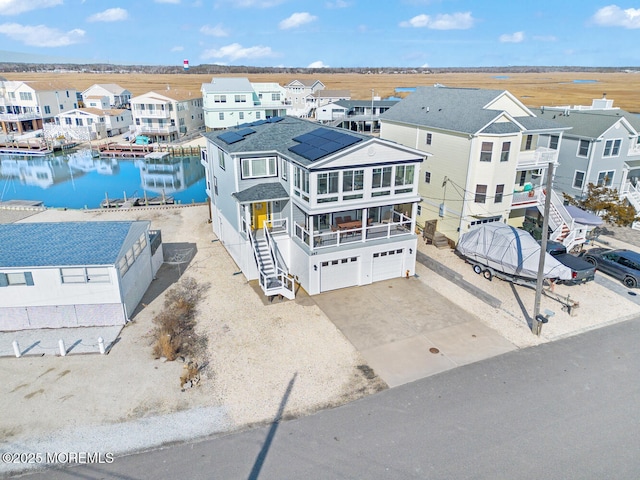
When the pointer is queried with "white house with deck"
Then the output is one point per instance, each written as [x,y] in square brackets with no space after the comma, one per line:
[74,274]
[116,96]
[298,203]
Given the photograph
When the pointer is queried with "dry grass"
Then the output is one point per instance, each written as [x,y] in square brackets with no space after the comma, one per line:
[175,326]
[533,89]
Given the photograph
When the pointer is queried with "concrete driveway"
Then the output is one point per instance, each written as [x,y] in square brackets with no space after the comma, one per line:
[407,331]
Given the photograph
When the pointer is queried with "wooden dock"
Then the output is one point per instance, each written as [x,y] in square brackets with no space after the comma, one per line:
[25,148]
[119,150]
[137,202]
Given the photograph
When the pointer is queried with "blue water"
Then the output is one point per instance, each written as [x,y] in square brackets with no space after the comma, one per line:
[405,89]
[501,77]
[585,81]
[76,180]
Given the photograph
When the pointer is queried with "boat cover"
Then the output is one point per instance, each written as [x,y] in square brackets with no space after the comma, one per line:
[509,250]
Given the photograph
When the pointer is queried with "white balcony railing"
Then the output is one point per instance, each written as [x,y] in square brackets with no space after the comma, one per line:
[168,129]
[539,157]
[152,114]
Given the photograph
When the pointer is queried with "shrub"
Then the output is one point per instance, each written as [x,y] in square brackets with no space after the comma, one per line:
[175,325]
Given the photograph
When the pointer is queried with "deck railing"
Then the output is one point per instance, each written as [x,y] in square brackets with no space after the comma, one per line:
[397,225]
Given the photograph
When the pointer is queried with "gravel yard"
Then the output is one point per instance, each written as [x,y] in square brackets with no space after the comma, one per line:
[254,351]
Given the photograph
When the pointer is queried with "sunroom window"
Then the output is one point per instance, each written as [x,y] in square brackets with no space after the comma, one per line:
[259,167]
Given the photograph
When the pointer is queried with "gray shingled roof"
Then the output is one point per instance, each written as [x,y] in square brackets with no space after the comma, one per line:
[262,192]
[589,123]
[228,84]
[457,110]
[275,137]
[64,243]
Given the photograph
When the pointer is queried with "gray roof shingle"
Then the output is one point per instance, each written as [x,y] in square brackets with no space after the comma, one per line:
[275,137]
[262,192]
[456,109]
[63,243]
[590,123]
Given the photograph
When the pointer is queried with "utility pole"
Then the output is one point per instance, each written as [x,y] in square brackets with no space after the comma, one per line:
[537,319]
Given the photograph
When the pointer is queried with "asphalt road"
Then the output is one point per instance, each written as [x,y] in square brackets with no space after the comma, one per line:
[564,410]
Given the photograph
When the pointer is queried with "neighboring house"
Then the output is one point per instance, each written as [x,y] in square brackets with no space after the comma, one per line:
[73,274]
[300,96]
[117,96]
[26,106]
[490,157]
[229,102]
[602,147]
[296,202]
[101,103]
[324,97]
[83,124]
[358,115]
[167,116]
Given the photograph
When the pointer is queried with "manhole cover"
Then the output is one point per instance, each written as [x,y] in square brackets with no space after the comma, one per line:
[434,350]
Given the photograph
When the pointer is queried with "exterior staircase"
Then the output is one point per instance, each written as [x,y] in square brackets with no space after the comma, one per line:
[632,194]
[273,279]
[563,226]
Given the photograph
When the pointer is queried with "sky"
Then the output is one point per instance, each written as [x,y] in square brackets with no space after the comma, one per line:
[323,33]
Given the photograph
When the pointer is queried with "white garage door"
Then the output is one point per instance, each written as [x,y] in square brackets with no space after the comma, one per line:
[340,273]
[387,265]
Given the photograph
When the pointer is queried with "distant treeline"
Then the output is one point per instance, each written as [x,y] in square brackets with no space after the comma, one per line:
[226,69]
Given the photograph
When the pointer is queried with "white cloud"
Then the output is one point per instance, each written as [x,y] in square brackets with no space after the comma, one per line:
[177,49]
[424,65]
[235,51]
[167,1]
[41,35]
[317,64]
[217,31]
[454,21]
[337,4]
[109,15]
[614,16]
[516,37]
[296,20]
[15,7]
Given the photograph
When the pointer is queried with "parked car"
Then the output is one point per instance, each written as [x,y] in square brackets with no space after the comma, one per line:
[582,271]
[621,264]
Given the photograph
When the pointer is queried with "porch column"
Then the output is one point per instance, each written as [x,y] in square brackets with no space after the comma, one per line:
[414,215]
[365,220]
[247,216]
[623,183]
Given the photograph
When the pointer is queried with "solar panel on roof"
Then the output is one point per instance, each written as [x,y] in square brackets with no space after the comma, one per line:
[275,119]
[304,138]
[330,147]
[230,137]
[245,131]
[257,122]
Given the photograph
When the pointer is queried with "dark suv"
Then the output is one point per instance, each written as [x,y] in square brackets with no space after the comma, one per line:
[621,264]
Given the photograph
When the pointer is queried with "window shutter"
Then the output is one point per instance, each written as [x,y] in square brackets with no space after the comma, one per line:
[28,277]
[3,280]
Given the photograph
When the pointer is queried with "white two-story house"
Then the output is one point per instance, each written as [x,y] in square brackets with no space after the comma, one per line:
[27,106]
[229,102]
[300,95]
[298,203]
[117,96]
[168,115]
[490,158]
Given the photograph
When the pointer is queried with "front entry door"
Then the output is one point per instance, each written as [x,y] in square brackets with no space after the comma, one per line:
[260,214]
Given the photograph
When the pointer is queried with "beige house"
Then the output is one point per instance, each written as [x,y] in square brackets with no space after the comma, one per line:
[490,156]
[168,115]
